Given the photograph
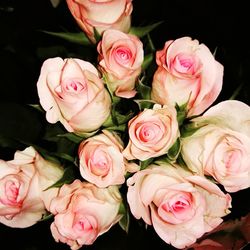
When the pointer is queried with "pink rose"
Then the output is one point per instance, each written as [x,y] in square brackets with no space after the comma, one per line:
[151,133]
[222,147]
[101,15]
[83,212]
[23,180]
[187,73]
[101,160]
[71,92]
[120,60]
[180,206]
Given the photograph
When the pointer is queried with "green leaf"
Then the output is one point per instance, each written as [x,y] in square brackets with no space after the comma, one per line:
[180,161]
[124,221]
[97,35]
[54,132]
[143,90]
[117,118]
[143,30]
[181,112]
[190,128]
[147,61]
[72,137]
[174,151]
[162,159]
[77,137]
[46,217]
[124,118]
[144,104]
[121,128]
[108,122]
[146,163]
[150,43]
[67,178]
[77,38]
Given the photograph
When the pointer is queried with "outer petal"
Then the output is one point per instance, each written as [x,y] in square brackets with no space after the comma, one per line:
[232,114]
[52,65]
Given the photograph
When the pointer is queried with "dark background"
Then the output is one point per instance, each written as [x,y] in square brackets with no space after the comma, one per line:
[23,48]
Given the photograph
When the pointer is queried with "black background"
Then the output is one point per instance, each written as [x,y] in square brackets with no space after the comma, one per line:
[23,48]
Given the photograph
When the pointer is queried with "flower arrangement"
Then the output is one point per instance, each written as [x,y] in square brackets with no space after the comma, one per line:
[134,135]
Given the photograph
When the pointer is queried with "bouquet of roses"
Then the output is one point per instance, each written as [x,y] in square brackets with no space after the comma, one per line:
[135,133]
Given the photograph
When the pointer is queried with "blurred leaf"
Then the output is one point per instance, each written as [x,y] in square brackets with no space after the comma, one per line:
[146,163]
[143,30]
[123,118]
[55,3]
[52,131]
[7,142]
[215,51]
[124,221]
[143,90]
[236,92]
[65,156]
[97,35]
[55,132]
[77,38]
[73,137]
[117,117]
[144,104]
[37,107]
[147,61]
[8,9]
[150,44]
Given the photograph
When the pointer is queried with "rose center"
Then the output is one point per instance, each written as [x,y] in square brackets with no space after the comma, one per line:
[232,160]
[184,63]
[123,55]
[75,86]
[83,225]
[100,163]
[177,208]
[11,194]
[149,132]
